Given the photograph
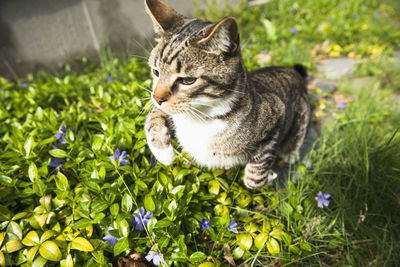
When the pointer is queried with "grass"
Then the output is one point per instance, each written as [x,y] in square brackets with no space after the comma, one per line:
[61,214]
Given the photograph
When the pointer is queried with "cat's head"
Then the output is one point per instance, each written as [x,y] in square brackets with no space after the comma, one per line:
[196,65]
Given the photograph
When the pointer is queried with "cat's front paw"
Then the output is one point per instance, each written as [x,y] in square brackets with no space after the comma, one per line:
[166,156]
[254,179]
[160,144]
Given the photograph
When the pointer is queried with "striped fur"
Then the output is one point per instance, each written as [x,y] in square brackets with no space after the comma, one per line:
[227,116]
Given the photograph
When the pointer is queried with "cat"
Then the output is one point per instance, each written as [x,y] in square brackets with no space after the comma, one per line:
[220,113]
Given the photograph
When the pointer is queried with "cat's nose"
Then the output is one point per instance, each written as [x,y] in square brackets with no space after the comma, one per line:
[159,99]
[161,93]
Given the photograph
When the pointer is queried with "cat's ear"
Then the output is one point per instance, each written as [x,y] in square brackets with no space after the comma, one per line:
[222,37]
[164,17]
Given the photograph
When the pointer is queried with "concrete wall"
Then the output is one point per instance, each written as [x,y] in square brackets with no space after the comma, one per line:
[38,35]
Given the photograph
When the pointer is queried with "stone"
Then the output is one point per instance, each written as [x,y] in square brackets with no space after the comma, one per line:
[324,85]
[336,68]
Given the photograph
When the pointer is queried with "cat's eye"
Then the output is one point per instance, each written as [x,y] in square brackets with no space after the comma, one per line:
[156,73]
[187,81]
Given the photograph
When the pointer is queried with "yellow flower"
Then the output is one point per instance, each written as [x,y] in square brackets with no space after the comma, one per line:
[364,26]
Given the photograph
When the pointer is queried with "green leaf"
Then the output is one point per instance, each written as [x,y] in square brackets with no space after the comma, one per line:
[260,240]
[62,182]
[47,235]
[67,262]
[5,214]
[273,246]
[29,144]
[97,142]
[82,223]
[33,172]
[238,252]
[12,246]
[305,246]
[81,244]
[149,203]
[270,29]
[99,205]
[114,209]
[165,222]
[123,226]
[50,251]
[31,239]
[127,203]
[39,262]
[121,246]
[245,241]
[177,192]
[208,264]
[5,179]
[277,233]
[213,187]
[15,228]
[39,187]
[197,257]
[58,153]
[30,255]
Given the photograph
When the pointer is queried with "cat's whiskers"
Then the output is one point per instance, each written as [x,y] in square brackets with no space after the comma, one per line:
[145,108]
[139,56]
[201,113]
[144,88]
[195,116]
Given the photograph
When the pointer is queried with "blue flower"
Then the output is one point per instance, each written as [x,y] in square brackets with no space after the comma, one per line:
[55,162]
[293,30]
[119,156]
[330,18]
[322,199]
[153,162]
[156,257]
[377,14]
[138,221]
[61,134]
[232,226]
[23,85]
[355,15]
[109,79]
[204,224]
[341,105]
[110,239]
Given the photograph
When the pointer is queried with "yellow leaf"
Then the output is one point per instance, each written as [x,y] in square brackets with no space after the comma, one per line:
[260,240]
[273,246]
[50,251]
[245,241]
[31,239]
[67,262]
[81,244]
[12,246]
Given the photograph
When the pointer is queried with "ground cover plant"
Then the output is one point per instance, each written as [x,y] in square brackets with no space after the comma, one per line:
[79,186]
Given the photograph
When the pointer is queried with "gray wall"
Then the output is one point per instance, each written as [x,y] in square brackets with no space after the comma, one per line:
[44,35]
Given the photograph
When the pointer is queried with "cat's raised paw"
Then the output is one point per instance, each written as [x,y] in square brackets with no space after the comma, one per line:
[166,156]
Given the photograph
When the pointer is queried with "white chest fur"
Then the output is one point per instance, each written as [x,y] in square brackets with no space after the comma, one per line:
[197,138]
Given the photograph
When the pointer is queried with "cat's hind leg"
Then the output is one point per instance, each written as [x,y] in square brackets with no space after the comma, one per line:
[159,129]
[290,151]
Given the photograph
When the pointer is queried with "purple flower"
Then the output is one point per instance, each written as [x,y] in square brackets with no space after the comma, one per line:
[156,257]
[330,18]
[293,30]
[204,224]
[355,15]
[232,226]
[138,221]
[110,239]
[61,134]
[109,79]
[341,105]
[377,14]
[119,156]
[292,10]
[153,162]
[23,85]
[55,162]
[322,199]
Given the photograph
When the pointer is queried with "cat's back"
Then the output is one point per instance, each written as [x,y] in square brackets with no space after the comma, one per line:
[286,82]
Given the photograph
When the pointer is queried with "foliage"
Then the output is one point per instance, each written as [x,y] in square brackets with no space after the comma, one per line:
[77,195]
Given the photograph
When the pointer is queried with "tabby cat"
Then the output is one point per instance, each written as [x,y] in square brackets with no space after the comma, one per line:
[220,113]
